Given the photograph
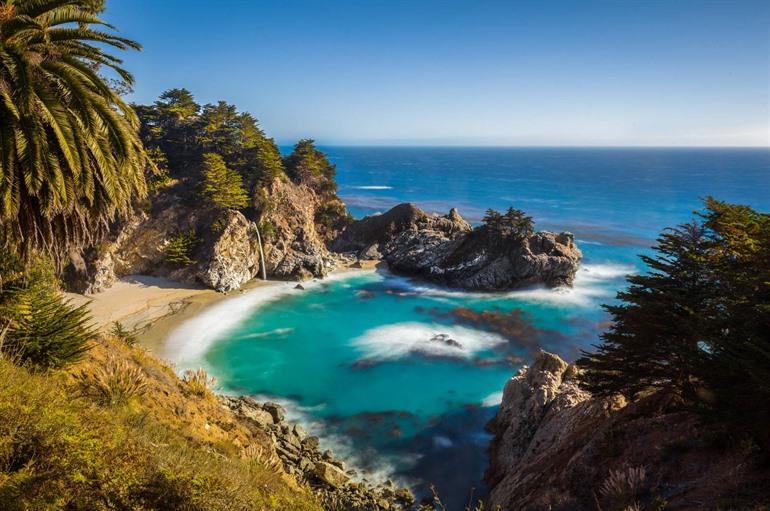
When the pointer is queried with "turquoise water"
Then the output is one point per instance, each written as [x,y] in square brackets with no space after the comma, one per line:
[364,359]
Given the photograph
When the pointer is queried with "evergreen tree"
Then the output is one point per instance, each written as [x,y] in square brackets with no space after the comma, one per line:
[308,165]
[698,324]
[222,186]
[39,328]
[653,341]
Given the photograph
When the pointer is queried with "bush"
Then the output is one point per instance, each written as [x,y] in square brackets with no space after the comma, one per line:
[121,333]
[179,249]
[114,383]
[198,382]
[43,330]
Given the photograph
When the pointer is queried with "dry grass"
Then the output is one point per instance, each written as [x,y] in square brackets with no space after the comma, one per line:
[61,449]
[113,384]
[623,488]
[198,382]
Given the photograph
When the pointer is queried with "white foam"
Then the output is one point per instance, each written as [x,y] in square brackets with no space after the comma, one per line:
[272,333]
[493,399]
[373,187]
[376,469]
[588,288]
[399,340]
[186,345]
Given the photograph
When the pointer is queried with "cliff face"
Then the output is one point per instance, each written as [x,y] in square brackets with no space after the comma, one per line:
[224,251]
[294,248]
[446,250]
[556,447]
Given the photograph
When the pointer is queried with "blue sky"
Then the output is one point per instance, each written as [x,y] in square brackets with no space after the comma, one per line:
[671,72]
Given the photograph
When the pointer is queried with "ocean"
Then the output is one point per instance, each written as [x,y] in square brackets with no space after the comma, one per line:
[351,356]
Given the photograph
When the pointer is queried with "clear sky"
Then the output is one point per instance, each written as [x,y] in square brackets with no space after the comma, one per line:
[445,72]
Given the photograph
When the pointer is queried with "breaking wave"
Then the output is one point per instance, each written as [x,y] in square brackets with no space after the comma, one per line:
[391,342]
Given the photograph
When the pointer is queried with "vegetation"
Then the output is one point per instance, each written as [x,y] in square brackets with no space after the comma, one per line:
[307,165]
[121,333]
[72,157]
[41,330]
[62,448]
[186,133]
[180,248]
[114,383]
[198,382]
[513,223]
[222,187]
[697,326]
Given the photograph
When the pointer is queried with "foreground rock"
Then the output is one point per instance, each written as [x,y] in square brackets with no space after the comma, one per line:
[299,455]
[446,250]
[556,447]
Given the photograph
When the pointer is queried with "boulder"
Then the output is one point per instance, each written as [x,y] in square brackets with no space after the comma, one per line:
[275,410]
[330,474]
[370,236]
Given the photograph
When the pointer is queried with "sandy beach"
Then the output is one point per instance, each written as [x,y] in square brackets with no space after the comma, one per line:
[153,307]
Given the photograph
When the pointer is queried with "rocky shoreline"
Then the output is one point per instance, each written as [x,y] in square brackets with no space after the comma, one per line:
[335,485]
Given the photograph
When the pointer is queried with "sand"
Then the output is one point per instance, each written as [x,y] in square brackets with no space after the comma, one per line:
[153,307]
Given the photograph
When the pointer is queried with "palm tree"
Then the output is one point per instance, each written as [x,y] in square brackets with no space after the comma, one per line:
[71,160]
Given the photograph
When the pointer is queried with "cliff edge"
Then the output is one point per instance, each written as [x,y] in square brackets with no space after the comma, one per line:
[556,447]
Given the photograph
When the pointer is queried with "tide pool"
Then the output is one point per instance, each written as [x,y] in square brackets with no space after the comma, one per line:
[401,376]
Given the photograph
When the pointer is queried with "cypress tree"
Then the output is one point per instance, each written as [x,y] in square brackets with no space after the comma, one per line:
[222,186]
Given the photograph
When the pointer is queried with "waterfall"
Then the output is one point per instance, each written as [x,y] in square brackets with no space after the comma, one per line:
[261,256]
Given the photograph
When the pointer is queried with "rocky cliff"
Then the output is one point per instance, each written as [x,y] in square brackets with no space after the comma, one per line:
[221,247]
[556,447]
[446,250]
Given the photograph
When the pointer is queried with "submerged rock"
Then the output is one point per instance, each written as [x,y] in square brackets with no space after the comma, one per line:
[446,250]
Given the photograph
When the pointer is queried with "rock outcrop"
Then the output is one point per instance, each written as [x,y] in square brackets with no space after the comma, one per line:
[556,447]
[224,254]
[294,249]
[300,456]
[446,250]
[233,257]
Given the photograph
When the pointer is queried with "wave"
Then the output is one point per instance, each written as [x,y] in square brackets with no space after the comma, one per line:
[592,282]
[399,340]
[186,344]
[373,187]
[272,333]
[493,399]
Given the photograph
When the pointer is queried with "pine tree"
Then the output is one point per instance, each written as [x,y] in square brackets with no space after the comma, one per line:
[222,186]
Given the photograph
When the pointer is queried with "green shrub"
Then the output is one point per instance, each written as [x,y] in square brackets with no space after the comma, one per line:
[179,249]
[43,330]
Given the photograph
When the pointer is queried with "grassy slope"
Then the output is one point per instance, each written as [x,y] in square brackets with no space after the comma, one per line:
[166,449]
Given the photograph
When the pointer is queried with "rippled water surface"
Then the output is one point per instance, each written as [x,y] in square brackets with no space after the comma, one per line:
[401,376]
